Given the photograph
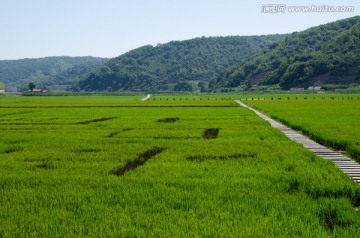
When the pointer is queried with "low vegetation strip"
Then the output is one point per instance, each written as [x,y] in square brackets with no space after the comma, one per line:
[139,161]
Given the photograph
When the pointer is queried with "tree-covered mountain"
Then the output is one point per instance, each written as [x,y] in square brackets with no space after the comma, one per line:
[73,74]
[47,71]
[327,53]
[174,66]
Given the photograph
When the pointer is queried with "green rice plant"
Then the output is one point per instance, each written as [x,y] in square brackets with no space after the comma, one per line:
[333,122]
[251,181]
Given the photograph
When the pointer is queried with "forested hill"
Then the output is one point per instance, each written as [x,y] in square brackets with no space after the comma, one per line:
[327,53]
[47,71]
[175,64]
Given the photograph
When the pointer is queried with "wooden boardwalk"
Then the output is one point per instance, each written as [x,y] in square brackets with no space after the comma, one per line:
[344,163]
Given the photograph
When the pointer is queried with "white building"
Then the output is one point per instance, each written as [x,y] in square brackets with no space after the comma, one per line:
[314,88]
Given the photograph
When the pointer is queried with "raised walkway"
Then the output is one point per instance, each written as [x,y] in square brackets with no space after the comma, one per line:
[344,163]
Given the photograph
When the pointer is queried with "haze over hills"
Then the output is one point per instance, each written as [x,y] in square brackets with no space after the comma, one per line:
[326,54]
[178,65]
[47,71]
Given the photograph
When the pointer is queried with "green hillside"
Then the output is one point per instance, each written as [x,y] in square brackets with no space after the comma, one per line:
[326,54]
[178,65]
[46,71]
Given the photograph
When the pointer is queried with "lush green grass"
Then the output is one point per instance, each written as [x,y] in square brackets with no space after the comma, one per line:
[57,173]
[69,101]
[116,101]
[331,120]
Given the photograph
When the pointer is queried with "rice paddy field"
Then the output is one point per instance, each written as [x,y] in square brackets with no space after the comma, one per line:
[172,166]
[332,120]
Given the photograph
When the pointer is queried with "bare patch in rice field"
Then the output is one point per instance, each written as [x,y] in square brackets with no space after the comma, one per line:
[112,134]
[139,161]
[168,120]
[128,129]
[201,158]
[45,166]
[211,133]
[91,150]
[11,149]
[95,120]
[175,138]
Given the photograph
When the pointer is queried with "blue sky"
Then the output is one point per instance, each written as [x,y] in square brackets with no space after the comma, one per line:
[108,28]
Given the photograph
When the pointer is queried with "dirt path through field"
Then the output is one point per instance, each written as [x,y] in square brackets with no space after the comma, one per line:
[344,163]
